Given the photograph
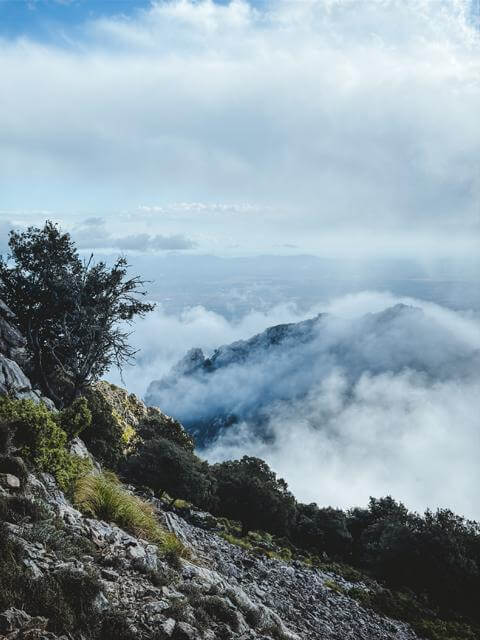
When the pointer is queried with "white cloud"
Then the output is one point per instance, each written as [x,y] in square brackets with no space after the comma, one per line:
[349,115]
[366,410]
[94,234]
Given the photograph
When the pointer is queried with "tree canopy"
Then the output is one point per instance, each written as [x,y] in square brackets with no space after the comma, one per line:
[249,491]
[163,466]
[73,312]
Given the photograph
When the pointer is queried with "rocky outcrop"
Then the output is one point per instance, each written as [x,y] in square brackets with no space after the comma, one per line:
[128,410]
[12,343]
[12,358]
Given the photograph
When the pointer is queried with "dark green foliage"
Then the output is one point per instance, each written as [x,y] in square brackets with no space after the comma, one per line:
[405,606]
[17,509]
[104,438]
[322,530]
[6,435]
[41,441]
[164,466]
[437,555]
[75,418]
[15,466]
[69,311]
[249,491]
[156,426]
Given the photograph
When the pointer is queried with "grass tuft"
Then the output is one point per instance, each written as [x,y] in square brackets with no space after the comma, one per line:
[103,496]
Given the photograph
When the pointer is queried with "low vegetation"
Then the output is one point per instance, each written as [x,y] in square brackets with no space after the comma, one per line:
[65,597]
[102,496]
[35,433]
[164,466]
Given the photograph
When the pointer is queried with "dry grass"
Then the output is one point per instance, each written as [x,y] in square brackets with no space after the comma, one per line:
[103,496]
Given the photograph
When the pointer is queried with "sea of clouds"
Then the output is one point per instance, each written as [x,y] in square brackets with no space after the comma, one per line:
[366,408]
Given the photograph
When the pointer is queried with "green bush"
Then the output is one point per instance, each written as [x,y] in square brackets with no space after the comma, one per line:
[322,530]
[249,491]
[104,438]
[405,606]
[157,425]
[163,466]
[102,496]
[75,418]
[41,441]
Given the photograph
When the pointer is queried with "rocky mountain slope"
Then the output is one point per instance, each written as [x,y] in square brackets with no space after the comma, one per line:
[222,592]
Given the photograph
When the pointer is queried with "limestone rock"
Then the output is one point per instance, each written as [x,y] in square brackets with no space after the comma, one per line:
[12,619]
[12,361]
[129,410]
[78,448]
[9,481]
[12,343]
[168,626]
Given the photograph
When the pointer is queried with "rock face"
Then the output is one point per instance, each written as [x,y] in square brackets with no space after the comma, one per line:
[12,359]
[129,410]
[12,342]
[222,593]
[9,481]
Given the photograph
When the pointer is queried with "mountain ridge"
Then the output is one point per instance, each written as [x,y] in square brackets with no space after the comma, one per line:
[242,381]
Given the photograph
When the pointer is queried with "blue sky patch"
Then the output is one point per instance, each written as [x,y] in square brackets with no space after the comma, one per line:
[41,19]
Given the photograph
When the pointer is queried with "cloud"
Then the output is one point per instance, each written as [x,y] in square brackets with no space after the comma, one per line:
[350,117]
[146,242]
[163,337]
[93,234]
[94,222]
[375,404]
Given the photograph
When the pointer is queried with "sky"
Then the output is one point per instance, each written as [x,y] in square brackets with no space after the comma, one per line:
[326,127]
[262,162]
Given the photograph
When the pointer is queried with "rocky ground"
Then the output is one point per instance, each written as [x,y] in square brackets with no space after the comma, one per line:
[222,592]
